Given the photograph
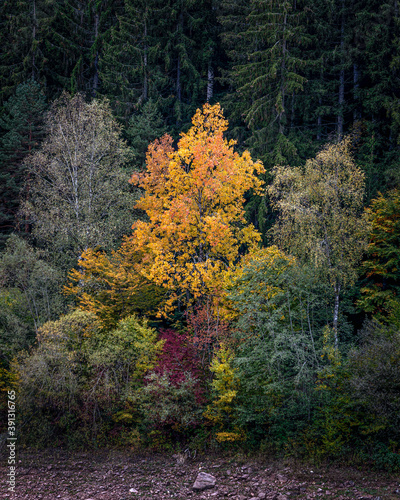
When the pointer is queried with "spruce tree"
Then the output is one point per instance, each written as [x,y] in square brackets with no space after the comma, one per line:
[130,68]
[167,52]
[75,42]
[269,74]
[23,31]
[22,127]
[144,127]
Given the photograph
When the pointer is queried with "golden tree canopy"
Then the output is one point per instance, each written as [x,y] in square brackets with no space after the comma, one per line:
[194,199]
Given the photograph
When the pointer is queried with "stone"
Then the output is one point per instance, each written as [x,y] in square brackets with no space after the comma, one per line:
[204,481]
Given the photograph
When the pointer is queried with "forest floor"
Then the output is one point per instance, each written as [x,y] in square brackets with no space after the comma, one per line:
[125,475]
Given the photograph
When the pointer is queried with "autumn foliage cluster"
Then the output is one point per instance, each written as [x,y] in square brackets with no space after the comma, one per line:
[192,333]
[194,200]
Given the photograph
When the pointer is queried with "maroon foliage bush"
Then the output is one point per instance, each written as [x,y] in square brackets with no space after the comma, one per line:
[179,356]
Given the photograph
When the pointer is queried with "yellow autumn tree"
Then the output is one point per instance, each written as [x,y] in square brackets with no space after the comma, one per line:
[111,286]
[194,198]
[225,384]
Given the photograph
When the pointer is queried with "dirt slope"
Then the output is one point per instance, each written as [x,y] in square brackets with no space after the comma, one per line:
[123,475]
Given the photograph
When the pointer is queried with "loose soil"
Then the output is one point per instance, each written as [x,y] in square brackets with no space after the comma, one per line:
[125,475]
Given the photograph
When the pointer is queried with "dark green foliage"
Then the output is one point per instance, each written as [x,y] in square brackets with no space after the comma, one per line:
[129,67]
[282,310]
[16,328]
[266,73]
[359,402]
[74,44]
[164,52]
[22,127]
[374,378]
[24,28]
[145,125]
[28,281]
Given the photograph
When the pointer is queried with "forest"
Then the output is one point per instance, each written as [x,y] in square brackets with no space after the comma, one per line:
[200,225]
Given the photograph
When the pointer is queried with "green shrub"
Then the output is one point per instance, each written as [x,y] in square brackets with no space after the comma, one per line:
[78,378]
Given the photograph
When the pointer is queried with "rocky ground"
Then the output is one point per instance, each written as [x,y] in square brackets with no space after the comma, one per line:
[123,475]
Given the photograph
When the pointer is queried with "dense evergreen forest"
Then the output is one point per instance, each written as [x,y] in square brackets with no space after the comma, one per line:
[200,225]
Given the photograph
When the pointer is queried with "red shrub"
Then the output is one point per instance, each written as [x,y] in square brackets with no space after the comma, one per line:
[179,356]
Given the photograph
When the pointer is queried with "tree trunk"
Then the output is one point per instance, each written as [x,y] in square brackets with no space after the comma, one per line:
[340,119]
[179,29]
[96,59]
[283,76]
[319,121]
[178,80]
[145,63]
[210,82]
[336,314]
[356,78]
[292,112]
[34,39]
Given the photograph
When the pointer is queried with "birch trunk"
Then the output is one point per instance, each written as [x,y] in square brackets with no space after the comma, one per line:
[336,314]
[210,82]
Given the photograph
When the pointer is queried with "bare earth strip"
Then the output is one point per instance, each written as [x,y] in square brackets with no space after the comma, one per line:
[125,475]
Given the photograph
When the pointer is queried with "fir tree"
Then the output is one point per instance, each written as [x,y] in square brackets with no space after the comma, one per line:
[144,127]
[129,67]
[22,125]
[75,42]
[267,79]
[23,31]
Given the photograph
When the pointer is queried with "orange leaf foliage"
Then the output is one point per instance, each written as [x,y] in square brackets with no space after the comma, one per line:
[194,199]
[112,287]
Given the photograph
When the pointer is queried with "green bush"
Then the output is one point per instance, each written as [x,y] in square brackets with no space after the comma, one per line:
[78,378]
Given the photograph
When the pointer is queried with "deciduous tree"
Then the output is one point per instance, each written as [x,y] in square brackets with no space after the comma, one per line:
[320,215]
[79,196]
[194,202]
[111,286]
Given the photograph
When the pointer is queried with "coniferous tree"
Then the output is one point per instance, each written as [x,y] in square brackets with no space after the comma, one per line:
[165,52]
[378,97]
[129,68]
[22,125]
[267,79]
[144,126]
[190,55]
[23,31]
[75,42]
